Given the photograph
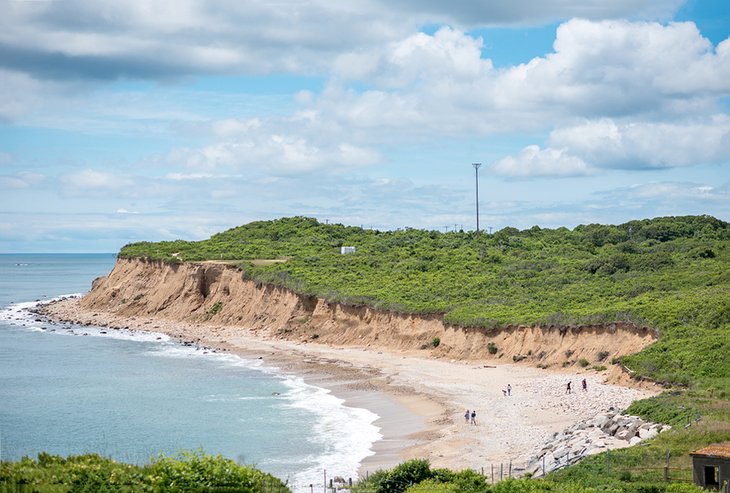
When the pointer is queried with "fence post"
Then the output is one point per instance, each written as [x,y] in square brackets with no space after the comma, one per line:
[543,466]
[492,475]
[666,469]
[510,469]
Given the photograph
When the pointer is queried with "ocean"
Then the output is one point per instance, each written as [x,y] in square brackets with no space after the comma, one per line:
[67,389]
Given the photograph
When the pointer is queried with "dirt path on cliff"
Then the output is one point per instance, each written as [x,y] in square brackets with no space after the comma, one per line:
[421,400]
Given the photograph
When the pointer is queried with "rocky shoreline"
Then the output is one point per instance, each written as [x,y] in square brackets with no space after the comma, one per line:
[607,430]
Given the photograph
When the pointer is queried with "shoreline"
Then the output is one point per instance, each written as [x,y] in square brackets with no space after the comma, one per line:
[420,401]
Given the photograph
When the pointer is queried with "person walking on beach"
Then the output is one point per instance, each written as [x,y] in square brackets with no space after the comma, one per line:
[474,417]
[466,417]
[567,389]
[509,389]
[585,385]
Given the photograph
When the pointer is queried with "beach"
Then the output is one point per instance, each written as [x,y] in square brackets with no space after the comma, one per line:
[420,399]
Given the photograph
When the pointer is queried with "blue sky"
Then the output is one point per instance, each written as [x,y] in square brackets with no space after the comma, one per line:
[128,121]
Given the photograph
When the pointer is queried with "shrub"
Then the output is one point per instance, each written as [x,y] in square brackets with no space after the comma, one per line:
[216,308]
[603,355]
[199,472]
[518,357]
[435,342]
[583,362]
[492,348]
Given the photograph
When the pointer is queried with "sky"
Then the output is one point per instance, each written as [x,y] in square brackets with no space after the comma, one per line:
[139,120]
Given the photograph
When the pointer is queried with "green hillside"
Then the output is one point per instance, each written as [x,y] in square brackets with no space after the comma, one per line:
[669,273]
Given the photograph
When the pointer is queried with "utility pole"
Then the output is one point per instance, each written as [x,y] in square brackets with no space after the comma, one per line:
[476,176]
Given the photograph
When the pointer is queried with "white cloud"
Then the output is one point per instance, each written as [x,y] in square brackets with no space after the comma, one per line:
[532,161]
[91,181]
[275,146]
[608,144]
[593,145]
[425,85]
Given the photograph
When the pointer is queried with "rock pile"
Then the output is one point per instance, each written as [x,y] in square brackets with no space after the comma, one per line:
[605,431]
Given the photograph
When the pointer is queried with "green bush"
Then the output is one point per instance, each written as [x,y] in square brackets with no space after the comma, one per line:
[492,348]
[583,362]
[187,472]
[435,342]
[216,308]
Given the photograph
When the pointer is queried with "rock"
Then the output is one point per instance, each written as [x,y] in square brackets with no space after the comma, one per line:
[646,434]
[561,452]
[634,440]
[624,434]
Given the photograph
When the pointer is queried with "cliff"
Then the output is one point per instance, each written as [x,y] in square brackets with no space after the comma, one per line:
[218,295]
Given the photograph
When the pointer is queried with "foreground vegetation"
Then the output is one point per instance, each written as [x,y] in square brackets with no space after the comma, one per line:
[188,472]
[416,476]
[671,274]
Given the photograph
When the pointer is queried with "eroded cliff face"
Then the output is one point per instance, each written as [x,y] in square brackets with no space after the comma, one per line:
[218,295]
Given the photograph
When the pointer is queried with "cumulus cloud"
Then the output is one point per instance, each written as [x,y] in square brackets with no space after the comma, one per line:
[439,84]
[626,83]
[605,143]
[275,146]
[532,161]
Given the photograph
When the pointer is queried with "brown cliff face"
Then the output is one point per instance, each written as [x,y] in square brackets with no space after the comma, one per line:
[218,295]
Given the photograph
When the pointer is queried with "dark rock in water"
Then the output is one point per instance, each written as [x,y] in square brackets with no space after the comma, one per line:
[103,332]
[38,320]
[159,338]
[53,330]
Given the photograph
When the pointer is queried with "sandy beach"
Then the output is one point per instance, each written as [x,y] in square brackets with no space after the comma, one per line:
[420,400]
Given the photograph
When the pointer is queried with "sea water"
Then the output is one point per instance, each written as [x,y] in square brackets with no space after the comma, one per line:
[67,389]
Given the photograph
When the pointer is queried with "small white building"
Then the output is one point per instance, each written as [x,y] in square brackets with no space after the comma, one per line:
[347,249]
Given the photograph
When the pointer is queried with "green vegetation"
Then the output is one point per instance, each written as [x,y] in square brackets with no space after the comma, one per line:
[416,476]
[671,274]
[188,472]
[436,341]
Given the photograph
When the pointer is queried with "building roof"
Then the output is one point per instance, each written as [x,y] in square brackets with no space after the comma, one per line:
[721,450]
